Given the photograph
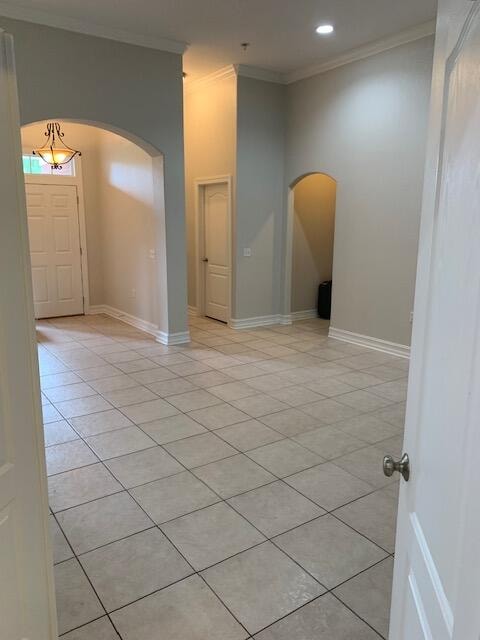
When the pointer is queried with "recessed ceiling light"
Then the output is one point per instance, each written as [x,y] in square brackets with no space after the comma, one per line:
[324,29]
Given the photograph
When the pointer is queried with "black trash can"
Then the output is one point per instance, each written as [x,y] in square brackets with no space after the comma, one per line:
[325,299]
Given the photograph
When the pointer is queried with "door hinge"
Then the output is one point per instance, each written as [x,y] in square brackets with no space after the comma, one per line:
[78,199]
[81,251]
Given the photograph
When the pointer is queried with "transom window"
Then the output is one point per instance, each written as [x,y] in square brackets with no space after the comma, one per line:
[34,165]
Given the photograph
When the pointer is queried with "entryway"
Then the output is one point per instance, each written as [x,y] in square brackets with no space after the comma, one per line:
[310,241]
[214,247]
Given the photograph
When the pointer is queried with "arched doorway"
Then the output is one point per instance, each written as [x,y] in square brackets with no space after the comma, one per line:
[115,223]
[309,243]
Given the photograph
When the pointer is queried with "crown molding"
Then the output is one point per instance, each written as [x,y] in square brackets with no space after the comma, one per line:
[8,10]
[220,74]
[257,73]
[365,51]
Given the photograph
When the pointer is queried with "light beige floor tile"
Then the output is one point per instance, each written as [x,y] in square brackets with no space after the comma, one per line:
[173,497]
[395,391]
[367,466]
[173,428]
[96,373]
[153,375]
[101,629]
[248,435]
[329,442]
[188,609]
[359,379]
[232,391]
[59,379]
[102,521]
[77,603]
[133,395]
[143,466]
[173,387]
[329,387]
[75,487]
[60,547]
[209,379]
[275,508]
[256,585]
[369,595]
[199,450]
[122,381]
[259,405]
[58,432]
[129,569]
[375,516]
[133,366]
[296,395]
[221,415]
[233,475]
[290,422]
[211,535]
[192,400]
[386,372]
[329,550]
[267,383]
[243,371]
[284,458]
[323,619]
[50,414]
[100,422]
[69,392]
[394,414]
[189,368]
[329,411]
[363,400]
[120,442]
[82,406]
[67,456]
[367,427]
[148,411]
[328,485]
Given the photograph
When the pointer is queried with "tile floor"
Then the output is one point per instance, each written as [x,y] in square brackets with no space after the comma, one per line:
[226,489]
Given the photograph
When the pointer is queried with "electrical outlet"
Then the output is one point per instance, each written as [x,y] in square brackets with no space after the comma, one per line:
[247,253]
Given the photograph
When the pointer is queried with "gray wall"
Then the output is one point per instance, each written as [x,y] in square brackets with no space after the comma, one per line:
[259,202]
[365,125]
[135,90]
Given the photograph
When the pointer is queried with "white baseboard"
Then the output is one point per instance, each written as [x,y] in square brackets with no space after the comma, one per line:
[143,325]
[259,321]
[173,338]
[392,348]
[304,315]
[192,311]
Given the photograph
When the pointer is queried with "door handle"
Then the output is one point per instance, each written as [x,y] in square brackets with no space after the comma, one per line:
[205,260]
[402,466]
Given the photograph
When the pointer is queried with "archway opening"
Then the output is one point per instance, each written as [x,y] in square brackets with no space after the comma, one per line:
[95,225]
[312,212]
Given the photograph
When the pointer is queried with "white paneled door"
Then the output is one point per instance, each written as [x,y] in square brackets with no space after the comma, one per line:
[436,594]
[54,235]
[216,258]
[27,601]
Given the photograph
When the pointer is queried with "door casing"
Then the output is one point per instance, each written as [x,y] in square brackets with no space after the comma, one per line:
[199,185]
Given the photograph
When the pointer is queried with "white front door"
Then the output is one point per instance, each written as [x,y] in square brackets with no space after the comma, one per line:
[54,234]
[436,594]
[27,603]
[216,251]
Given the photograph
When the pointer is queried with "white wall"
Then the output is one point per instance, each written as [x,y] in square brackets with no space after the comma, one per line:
[313,233]
[365,125]
[210,143]
[119,217]
[128,89]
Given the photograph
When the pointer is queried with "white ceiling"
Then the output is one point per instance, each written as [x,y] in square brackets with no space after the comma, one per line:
[281,32]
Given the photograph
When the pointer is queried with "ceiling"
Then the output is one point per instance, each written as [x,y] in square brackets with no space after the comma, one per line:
[281,33]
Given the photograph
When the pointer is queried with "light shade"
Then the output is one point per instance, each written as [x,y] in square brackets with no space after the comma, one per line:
[55,152]
[324,29]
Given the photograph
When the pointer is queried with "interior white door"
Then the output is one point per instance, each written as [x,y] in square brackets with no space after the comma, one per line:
[216,259]
[436,592]
[54,235]
[27,602]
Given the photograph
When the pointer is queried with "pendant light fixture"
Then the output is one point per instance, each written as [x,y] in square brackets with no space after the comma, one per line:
[55,152]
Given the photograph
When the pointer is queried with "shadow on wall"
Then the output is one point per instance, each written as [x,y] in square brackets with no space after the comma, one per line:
[314,198]
[118,179]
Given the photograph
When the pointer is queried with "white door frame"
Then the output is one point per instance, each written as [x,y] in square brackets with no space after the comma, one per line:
[76,181]
[199,186]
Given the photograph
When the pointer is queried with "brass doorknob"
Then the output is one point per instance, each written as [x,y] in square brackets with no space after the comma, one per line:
[402,466]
